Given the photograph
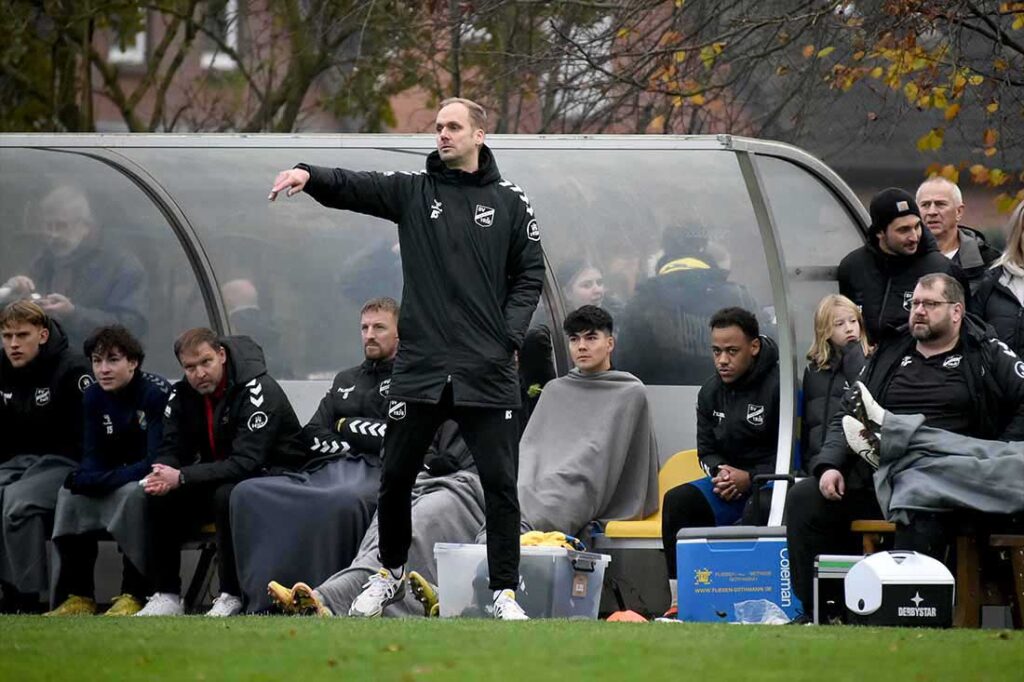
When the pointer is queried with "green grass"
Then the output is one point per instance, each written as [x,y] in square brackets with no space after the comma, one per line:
[305,649]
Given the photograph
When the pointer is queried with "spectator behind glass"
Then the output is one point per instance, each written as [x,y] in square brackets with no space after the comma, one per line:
[1000,297]
[665,335]
[834,360]
[242,300]
[81,280]
[582,284]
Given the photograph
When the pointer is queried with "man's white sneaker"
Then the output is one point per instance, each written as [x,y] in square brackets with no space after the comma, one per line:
[225,605]
[861,440]
[381,590]
[507,608]
[162,604]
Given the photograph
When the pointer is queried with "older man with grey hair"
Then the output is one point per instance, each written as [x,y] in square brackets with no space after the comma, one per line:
[942,208]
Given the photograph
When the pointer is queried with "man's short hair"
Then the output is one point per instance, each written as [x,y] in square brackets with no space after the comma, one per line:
[588,318]
[477,114]
[736,317]
[380,304]
[24,312]
[951,289]
[115,337]
[191,339]
[958,196]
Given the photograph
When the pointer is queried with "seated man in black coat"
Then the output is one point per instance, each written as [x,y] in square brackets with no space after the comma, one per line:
[737,433]
[226,421]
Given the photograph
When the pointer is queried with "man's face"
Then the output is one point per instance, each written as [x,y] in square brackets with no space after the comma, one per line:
[901,237]
[591,351]
[733,352]
[204,367]
[457,139]
[22,342]
[63,228]
[931,317]
[112,369]
[939,210]
[379,330]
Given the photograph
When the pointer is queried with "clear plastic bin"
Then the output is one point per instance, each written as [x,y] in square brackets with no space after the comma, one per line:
[554,582]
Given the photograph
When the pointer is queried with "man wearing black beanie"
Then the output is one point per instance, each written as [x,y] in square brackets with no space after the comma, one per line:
[880,276]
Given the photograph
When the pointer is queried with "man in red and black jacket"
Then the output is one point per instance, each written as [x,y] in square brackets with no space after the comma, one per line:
[226,421]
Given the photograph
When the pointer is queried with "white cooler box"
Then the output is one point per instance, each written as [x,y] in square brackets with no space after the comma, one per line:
[554,582]
[899,588]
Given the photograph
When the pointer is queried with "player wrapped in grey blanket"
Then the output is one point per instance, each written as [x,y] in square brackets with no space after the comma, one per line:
[927,469]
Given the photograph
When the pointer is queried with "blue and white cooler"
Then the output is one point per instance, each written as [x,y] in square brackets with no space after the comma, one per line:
[718,568]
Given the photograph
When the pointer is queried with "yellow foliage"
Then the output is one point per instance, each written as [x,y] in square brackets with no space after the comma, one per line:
[680,56]
[1018,22]
[990,151]
[858,55]
[992,107]
[826,51]
[697,100]
[939,98]
[931,141]
[677,102]
[808,51]
[979,174]
[657,124]
[952,111]
[623,33]
[951,173]
[976,79]
[1000,64]
[990,137]
[877,72]
[910,90]
[1006,203]
[997,177]
[709,53]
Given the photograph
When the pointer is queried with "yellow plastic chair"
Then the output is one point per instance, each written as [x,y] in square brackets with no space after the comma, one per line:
[682,467]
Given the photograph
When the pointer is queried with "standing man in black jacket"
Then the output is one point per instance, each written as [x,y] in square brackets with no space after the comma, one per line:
[737,433]
[41,386]
[473,271]
[226,421]
[946,366]
[942,208]
[880,276]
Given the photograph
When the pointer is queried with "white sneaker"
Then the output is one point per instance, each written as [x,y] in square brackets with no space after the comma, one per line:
[866,408]
[379,591]
[507,608]
[225,605]
[162,604]
[861,440]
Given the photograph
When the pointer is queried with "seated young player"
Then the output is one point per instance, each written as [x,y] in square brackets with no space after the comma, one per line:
[588,453]
[41,385]
[124,412]
[308,523]
[226,421]
[737,434]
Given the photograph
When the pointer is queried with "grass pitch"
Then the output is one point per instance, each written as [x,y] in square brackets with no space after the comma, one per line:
[305,649]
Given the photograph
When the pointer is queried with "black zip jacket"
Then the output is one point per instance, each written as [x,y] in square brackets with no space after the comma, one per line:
[974,255]
[255,427]
[994,375]
[997,305]
[472,267]
[41,403]
[883,285]
[823,391]
[738,423]
[122,434]
[352,418]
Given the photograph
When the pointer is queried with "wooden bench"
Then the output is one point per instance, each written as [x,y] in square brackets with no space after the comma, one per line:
[871,532]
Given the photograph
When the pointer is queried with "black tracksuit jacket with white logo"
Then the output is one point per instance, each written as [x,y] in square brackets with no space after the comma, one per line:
[738,423]
[41,403]
[472,267]
[351,419]
[255,428]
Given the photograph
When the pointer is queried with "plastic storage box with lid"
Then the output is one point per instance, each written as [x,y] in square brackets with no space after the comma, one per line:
[720,567]
[899,588]
[554,582]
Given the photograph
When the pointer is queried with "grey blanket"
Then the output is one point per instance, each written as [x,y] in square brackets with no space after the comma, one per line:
[300,526]
[444,509]
[927,469]
[122,513]
[589,453]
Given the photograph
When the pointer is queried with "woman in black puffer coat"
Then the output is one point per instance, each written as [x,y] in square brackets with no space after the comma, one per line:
[1000,297]
[834,361]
